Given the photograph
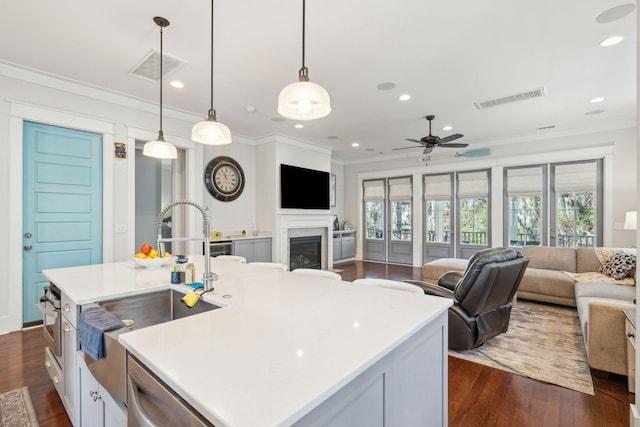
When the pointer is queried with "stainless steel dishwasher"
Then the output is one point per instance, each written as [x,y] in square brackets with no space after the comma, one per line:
[151,403]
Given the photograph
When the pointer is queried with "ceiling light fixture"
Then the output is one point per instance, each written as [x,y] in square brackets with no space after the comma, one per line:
[447,127]
[159,148]
[210,131]
[304,100]
[177,84]
[611,41]
[298,126]
[355,144]
[596,100]
[404,97]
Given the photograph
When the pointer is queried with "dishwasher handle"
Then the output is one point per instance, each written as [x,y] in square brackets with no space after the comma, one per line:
[136,406]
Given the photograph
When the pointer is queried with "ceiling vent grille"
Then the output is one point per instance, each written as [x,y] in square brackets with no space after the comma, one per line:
[522,96]
[149,66]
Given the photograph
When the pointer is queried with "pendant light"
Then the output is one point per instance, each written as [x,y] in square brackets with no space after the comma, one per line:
[304,100]
[210,131]
[159,148]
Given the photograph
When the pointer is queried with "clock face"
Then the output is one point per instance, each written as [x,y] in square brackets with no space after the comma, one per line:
[224,178]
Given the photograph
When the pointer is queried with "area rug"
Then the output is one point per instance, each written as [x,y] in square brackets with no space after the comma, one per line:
[544,342]
[16,409]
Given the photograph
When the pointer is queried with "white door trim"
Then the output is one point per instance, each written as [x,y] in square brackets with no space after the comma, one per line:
[19,112]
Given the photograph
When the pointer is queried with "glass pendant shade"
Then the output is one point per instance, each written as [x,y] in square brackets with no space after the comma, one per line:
[211,132]
[160,149]
[304,100]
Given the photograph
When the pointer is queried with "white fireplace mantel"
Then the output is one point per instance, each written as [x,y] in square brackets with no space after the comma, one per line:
[299,222]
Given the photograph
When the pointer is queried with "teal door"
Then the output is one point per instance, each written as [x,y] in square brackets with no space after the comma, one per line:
[62,205]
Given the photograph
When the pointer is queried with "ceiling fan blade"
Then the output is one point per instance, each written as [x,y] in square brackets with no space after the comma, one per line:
[454,145]
[414,140]
[450,138]
[404,148]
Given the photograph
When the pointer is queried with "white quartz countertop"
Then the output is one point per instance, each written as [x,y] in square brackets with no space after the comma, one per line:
[281,345]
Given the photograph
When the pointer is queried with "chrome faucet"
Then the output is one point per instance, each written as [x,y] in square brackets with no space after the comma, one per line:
[208,277]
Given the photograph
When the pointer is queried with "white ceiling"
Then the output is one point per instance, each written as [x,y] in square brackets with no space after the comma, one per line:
[446,54]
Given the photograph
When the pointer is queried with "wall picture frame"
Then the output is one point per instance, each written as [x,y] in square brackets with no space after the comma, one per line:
[332,191]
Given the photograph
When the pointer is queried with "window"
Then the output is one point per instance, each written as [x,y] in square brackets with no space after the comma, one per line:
[374,196]
[400,205]
[577,203]
[525,205]
[437,195]
[473,197]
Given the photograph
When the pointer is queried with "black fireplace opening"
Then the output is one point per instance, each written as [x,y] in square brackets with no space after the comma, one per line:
[305,252]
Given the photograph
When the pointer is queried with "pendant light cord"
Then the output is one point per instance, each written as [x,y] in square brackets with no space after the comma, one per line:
[161,136]
[211,109]
[303,74]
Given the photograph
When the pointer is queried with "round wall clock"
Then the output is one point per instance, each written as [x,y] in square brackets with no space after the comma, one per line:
[224,178]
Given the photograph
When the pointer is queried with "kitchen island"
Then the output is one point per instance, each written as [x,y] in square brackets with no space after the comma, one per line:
[287,349]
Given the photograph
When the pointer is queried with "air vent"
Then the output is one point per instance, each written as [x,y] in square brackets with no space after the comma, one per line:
[149,67]
[523,96]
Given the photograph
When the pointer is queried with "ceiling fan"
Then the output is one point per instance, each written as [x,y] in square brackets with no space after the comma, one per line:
[431,141]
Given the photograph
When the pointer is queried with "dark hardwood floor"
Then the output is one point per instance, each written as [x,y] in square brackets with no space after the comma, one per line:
[478,395]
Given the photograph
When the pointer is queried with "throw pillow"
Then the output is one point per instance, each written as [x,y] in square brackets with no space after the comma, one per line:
[619,266]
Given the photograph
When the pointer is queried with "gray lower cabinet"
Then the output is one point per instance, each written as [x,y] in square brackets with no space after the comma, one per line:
[344,244]
[254,250]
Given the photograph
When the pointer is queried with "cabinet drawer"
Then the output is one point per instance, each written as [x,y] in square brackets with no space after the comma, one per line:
[630,332]
[54,371]
[69,311]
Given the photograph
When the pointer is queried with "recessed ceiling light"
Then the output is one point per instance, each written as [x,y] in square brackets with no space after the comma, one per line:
[355,144]
[404,97]
[596,100]
[386,86]
[594,112]
[177,84]
[298,126]
[611,41]
[615,13]
[447,127]
[250,109]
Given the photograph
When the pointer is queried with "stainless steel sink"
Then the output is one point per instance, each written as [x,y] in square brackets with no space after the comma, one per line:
[145,310]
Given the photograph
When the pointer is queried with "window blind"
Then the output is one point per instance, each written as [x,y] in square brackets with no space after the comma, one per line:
[576,177]
[400,189]
[374,190]
[524,181]
[437,187]
[473,184]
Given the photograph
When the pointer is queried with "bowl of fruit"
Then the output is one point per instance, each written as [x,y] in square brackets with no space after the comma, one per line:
[148,257]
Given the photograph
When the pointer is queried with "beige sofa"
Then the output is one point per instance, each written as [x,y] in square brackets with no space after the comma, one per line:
[599,304]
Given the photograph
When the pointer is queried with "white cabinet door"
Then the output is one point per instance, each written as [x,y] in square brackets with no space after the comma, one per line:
[91,405]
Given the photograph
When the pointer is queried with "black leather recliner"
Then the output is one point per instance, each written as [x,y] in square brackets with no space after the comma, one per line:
[481,295]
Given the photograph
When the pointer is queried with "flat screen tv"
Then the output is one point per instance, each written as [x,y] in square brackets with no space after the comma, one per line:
[302,188]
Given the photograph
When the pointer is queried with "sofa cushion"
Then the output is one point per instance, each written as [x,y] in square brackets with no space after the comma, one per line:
[547,282]
[551,258]
[586,260]
[434,269]
[605,290]
[619,266]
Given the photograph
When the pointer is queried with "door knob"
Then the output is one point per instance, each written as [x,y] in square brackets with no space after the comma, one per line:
[28,235]
[27,247]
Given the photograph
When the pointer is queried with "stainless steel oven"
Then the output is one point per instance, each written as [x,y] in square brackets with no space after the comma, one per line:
[221,248]
[50,308]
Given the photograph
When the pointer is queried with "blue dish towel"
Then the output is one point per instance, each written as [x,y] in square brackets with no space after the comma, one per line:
[94,322]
